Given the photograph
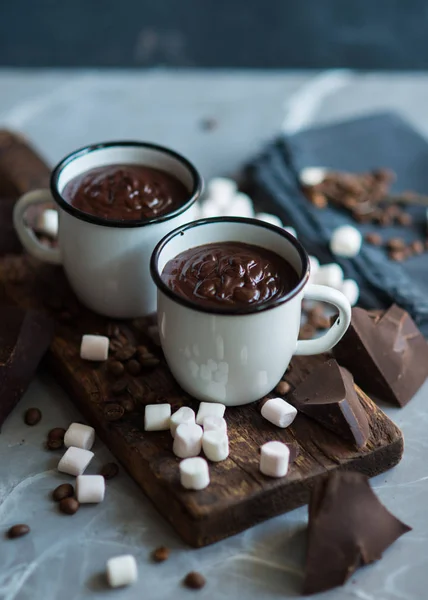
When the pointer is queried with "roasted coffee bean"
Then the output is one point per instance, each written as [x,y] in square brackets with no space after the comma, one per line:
[119,387]
[18,531]
[142,350]
[150,362]
[417,247]
[307,331]
[115,367]
[57,433]
[133,367]
[69,506]
[55,444]
[318,200]
[113,412]
[109,470]
[397,255]
[396,244]
[373,238]
[160,554]
[136,390]
[114,346]
[128,404]
[283,388]
[32,416]
[404,219]
[125,353]
[194,581]
[65,490]
[113,330]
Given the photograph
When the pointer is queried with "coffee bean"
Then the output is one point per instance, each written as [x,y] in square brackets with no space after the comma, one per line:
[57,433]
[18,531]
[417,247]
[283,388]
[69,506]
[55,444]
[109,470]
[133,367]
[150,362]
[396,244]
[65,490]
[142,350]
[373,238]
[307,331]
[115,367]
[404,219]
[160,554]
[113,412]
[32,416]
[125,353]
[119,387]
[397,255]
[194,581]
[114,346]
[113,330]
[128,404]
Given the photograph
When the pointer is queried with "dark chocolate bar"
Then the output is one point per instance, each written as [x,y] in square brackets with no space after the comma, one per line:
[386,353]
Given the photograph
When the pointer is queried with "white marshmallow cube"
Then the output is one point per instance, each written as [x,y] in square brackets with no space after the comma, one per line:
[268,218]
[90,489]
[157,417]
[80,436]
[75,461]
[221,190]
[215,445]
[330,275]
[240,205]
[194,473]
[351,290]
[94,347]
[47,223]
[346,241]
[187,440]
[182,415]
[209,409]
[312,175]
[214,423]
[274,459]
[279,412]
[121,570]
[291,231]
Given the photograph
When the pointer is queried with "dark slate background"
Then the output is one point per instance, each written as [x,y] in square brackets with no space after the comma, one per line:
[362,34]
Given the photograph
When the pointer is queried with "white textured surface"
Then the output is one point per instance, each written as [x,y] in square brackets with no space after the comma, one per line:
[65,557]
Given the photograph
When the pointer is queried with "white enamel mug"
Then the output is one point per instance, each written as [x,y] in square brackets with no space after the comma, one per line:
[238,355]
[107,260]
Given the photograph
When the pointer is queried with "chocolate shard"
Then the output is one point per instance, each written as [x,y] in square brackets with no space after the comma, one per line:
[328,395]
[348,527]
[386,353]
[25,336]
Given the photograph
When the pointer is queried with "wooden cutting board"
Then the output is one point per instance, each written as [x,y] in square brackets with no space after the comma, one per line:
[239,496]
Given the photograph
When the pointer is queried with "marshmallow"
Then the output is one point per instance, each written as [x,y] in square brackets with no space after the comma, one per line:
[240,205]
[215,445]
[194,473]
[291,231]
[274,459]
[209,209]
[90,489]
[315,265]
[279,412]
[351,290]
[268,218]
[209,409]
[187,440]
[47,223]
[330,275]
[182,415]
[221,190]
[346,241]
[121,570]
[75,461]
[214,423]
[80,436]
[94,347]
[312,175]
[157,417]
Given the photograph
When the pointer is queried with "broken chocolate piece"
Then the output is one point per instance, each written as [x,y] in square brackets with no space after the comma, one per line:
[328,395]
[348,527]
[386,353]
[24,338]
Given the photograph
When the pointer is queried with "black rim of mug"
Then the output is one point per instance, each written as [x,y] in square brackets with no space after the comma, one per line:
[75,212]
[246,310]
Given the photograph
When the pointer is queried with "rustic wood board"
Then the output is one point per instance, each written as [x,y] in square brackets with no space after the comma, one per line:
[239,496]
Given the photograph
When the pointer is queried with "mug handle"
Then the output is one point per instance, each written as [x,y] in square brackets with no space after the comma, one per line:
[26,235]
[337,330]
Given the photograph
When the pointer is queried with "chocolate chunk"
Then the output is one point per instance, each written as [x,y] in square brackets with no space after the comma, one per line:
[24,338]
[18,531]
[348,527]
[69,506]
[386,353]
[32,416]
[57,433]
[125,353]
[133,367]
[160,554]
[115,367]
[194,581]
[283,388]
[65,490]
[113,412]
[328,396]
[109,470]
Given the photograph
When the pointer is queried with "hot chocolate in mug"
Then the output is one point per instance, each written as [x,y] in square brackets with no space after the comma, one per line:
[237,354]
[107,260]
